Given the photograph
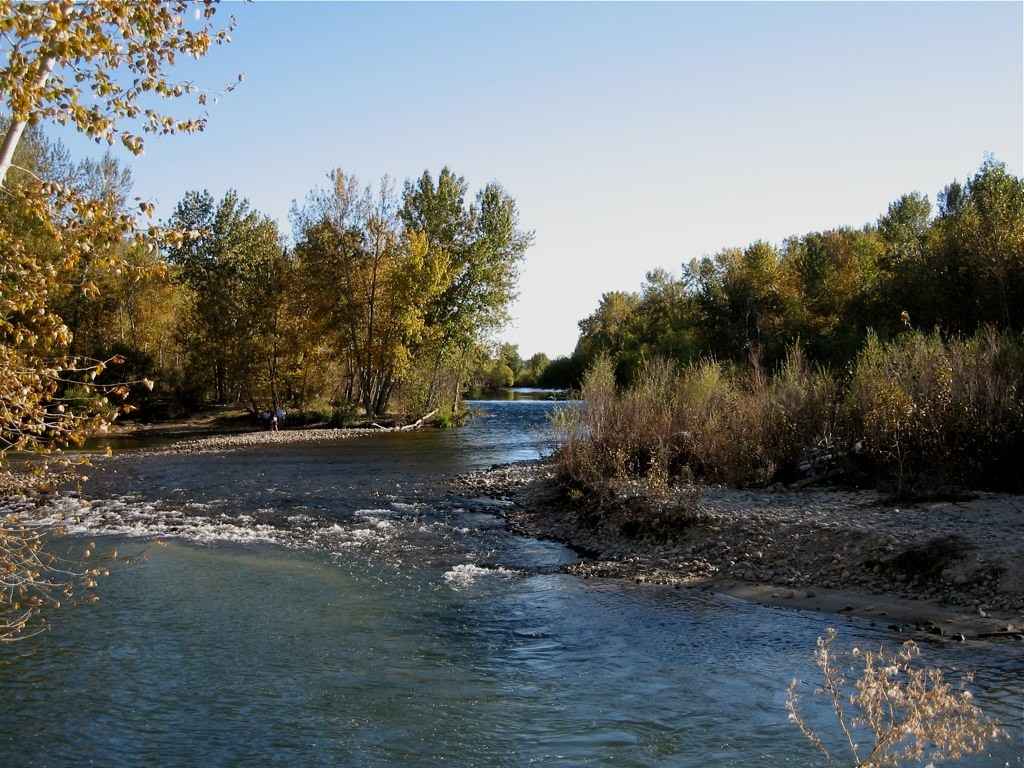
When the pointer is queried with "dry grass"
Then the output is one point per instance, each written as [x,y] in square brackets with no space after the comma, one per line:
[917,412]
[738,427]
[901,712]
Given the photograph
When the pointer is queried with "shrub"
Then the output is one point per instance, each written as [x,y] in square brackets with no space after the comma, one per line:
[705,420]
[322,412]
[928,410]
[746,428]
[919,411]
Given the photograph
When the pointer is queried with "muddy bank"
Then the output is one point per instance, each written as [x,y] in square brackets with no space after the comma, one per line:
[944,568]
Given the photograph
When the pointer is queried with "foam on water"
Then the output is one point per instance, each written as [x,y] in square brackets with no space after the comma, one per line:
[387,535]
[464,575]
[134,517]
[131,517]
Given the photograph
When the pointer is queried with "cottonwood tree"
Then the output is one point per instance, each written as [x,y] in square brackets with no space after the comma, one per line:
[369,282]
[234,264]
[485,247]
[101,68]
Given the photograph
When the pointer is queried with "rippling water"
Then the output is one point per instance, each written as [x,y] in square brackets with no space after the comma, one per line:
[326,605]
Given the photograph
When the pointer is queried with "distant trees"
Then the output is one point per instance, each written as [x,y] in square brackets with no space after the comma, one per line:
[484,246]
[532,371]
[958,270]
[381,295]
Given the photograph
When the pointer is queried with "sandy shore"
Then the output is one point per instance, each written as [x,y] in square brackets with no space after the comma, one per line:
[952,570]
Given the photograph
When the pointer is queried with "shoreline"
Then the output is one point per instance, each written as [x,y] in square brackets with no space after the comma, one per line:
[216,441]
[934,571]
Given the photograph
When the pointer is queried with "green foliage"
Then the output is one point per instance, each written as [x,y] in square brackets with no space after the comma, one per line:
[562,373]
[404,291]
[233,263]
[959,270]
[532,371]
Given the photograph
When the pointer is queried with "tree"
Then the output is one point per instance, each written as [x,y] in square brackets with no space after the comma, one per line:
[71,64]
[532,370]
[484,246]
[905,225]
[235,266]
[509,355]
[826,290]
[370,283]
[67,63]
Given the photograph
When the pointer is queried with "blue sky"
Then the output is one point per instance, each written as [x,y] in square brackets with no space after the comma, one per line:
[633,135]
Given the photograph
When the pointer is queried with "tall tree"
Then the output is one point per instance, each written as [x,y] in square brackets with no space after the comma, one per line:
[484,246]
[71,64]
[233,262]
[369,282]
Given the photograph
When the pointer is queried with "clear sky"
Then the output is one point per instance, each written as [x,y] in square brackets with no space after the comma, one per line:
[633,136]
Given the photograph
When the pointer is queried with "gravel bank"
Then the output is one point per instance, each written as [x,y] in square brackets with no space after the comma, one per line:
[948,567]
[230,442]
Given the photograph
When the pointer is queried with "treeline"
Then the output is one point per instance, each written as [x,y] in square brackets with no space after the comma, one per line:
[956,268]
[502,366]
[890,355]
[383,300]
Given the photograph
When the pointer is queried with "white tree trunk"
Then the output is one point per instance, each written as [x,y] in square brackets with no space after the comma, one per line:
[17,128]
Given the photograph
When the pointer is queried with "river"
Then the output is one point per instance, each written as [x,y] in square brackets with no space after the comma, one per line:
[327,605]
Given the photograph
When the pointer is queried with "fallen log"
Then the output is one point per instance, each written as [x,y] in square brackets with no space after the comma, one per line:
[415,425]
[419,422]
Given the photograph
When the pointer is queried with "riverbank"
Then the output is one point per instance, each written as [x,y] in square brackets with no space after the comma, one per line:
[952,569]
[234,441]
[211,433]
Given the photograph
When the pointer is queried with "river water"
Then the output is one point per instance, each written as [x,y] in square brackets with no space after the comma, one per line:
[326,605]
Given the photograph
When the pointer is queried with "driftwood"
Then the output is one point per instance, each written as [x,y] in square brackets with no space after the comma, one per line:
[415,425]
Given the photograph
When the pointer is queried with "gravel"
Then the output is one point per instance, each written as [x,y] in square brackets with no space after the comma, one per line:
[217,443]
[967,553]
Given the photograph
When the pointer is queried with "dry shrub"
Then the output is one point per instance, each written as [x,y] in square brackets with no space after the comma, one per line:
[614,436]
[745,428]
[903,712]
[920,410]
[738,427]
[802,411]
[953,411]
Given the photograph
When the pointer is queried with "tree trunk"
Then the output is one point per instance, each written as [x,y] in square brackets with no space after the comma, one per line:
[17,128]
